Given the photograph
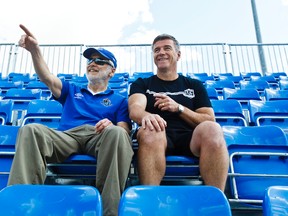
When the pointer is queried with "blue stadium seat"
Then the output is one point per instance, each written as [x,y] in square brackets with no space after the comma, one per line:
[25,78]
[271,94]
[283,77]
[283,84]
[6,85]
[173,200]
[46,200]
[234,79]
[136,75]
[258,159]
[212,93]
[6,107]
[23,94]
[179,170]
[182,169]
[17,76]
[143,74]
[229,112]
[241,95]
[277,75]
[221,74]
[276,201]
[269,113]
[203,74]
[46,112]
[45,91]
[79,80]
[8,136]
[273,83]
[202,78]
[124,74]
[247,75]
[77,166]
[118,85]
[21,99]
[66,77]
[117,79]
[219,85]
[122,91]
[259,85]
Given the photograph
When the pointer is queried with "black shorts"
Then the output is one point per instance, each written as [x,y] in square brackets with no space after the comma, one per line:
[178,142]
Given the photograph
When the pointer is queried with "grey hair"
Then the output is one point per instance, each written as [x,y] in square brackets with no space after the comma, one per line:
[165,37]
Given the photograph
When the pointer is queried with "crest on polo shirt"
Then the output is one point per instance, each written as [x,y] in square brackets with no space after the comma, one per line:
[106,102]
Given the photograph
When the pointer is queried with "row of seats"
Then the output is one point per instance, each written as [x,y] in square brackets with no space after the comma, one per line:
[215,76]
[144,200]
[35,200]
[273,79]
[232,112]
[228,112]
[121,82]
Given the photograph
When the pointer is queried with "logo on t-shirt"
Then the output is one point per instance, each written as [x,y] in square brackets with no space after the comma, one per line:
[106,102]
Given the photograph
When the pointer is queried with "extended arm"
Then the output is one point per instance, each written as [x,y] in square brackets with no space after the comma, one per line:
[29,42]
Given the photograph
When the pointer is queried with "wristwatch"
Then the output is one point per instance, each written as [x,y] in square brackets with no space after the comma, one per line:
[180,108]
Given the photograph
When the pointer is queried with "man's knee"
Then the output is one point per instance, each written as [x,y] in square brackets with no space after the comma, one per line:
[209,133]
[118,135]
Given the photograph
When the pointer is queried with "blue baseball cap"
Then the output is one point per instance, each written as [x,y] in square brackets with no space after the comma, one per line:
[102,52]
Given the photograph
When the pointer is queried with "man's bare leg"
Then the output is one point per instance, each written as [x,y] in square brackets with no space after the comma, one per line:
[151,156]
[209,144]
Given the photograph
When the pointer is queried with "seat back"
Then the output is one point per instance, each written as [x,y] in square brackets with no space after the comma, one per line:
[269,113]
[283,84]
[173,200]
[241,94]
[275,201]
[6,107]
[247,75]
[45,93]
[276,94]
[35,200]
[46,112]
[212,93]
[122,91]
[271,80]
[252,150]
[259,85]
[118,85]
[235,79]
[219,85]
[75,167]
[5,85]
[228,112]
[8,136]
[21,99]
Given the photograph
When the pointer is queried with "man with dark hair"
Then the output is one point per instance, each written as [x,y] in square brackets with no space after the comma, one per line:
[95,121]
[175,118]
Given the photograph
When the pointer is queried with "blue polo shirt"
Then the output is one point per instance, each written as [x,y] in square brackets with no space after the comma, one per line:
[81,107]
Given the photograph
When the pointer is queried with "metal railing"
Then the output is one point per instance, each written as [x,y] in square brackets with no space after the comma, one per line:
[211,58]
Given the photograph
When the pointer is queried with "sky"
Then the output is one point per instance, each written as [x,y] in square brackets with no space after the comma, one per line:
[113,22]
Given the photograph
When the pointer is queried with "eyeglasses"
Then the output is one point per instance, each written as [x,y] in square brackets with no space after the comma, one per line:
[99,61]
